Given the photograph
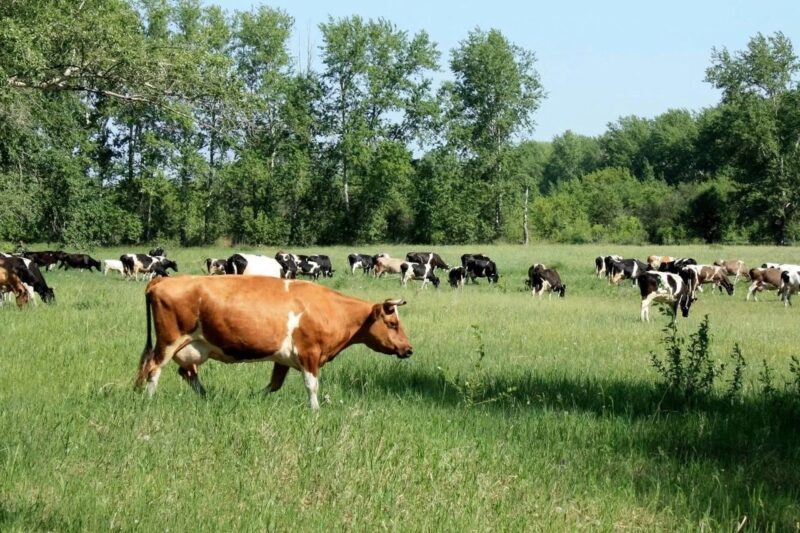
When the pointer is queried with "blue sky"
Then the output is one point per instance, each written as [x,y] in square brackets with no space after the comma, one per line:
[597,60]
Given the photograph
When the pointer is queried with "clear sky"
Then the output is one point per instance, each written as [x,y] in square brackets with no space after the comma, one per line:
[598,60]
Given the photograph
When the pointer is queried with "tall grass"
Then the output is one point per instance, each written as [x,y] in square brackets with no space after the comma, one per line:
[576,434]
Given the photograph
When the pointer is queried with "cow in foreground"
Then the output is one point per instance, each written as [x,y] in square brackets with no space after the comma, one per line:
[666,287]
[294,324]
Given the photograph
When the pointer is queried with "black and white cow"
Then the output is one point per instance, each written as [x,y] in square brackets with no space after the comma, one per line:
[157,251]
[790,284]
[308,267]
[362,261]
[541,279]
[325,265]
[425,272]
[289,264]
[676,265]
[666,287]
[466,258]
[253,265]
[135,264]
[30,275]
[602,264]
[79,261]
[427,258]
[215,267]
[457,276]
[482,268]
[625,269]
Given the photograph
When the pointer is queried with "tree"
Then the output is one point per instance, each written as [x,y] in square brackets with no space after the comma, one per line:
[493,97]
[759,128]
[572,156]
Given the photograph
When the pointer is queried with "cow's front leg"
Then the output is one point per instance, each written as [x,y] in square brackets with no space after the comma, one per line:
[279,372]
[312,385]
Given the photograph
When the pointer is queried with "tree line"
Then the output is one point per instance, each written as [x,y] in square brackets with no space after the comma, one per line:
[170,121]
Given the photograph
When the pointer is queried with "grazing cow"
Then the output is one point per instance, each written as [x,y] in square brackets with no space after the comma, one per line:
[654,261]
[733,267]
[362,261]
[113,264]
[710,274]
[215,267]
[47,259]
[31,277]
[309,267]
[602,264]
[325,265]
[79,261]
[409,270]
[763,279]
[427,258]
[541,279]
[294,324]
[457,276]
[790,284]
[625,269]
[669,288]
[384,264]
[10,281]
[676,265]
[134,264]
[482,268]
[289,264]
[466,258]
[253,265]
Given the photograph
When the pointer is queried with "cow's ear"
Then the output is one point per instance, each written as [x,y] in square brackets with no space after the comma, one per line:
[389,306]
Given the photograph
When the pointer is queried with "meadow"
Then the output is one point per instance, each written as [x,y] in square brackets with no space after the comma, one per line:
[560,426]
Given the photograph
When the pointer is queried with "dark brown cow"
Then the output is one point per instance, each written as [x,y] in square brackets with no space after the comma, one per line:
[11,282]
[234,319]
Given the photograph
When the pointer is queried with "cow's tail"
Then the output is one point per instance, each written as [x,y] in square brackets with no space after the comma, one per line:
[148,353]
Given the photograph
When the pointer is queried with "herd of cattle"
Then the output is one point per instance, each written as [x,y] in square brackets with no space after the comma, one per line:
[248,309]
[663,279]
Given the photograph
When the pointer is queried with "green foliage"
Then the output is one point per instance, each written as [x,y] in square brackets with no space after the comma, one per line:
[687,371]
[736,381]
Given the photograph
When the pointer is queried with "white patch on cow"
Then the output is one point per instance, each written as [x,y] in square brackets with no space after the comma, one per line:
[287,352]
[259,265]
[152,381]
[312,385]
[192,349]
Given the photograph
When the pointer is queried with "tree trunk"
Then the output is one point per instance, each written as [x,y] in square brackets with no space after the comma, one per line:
[526,234]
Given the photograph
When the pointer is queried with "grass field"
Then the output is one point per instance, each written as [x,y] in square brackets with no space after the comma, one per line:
[568,430]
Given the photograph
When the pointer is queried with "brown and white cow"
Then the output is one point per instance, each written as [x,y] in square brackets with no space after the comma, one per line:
[654,261]
[236,319]
[386,264]
[763,279]
[710,274]
[734,267]
[10,282]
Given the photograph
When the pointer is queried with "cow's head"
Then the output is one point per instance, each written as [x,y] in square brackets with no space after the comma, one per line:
[169,263]
[384,332]
[435,280]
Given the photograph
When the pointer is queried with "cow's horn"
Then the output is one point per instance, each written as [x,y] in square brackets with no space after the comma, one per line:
[398,301]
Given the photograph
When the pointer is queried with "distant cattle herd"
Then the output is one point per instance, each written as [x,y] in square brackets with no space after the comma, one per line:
[661,279]
[265,316]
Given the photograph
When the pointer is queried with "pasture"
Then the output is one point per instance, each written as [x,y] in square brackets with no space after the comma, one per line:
[566,428]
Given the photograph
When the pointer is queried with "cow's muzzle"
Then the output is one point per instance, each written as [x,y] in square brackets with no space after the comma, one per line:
[406,354]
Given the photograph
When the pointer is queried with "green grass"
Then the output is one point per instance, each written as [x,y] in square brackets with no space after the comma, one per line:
[572,433]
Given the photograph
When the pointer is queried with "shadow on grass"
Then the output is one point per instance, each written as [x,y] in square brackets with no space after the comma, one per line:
[750,447]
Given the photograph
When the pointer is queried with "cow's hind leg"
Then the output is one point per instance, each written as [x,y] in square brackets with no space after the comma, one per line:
[279,372]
